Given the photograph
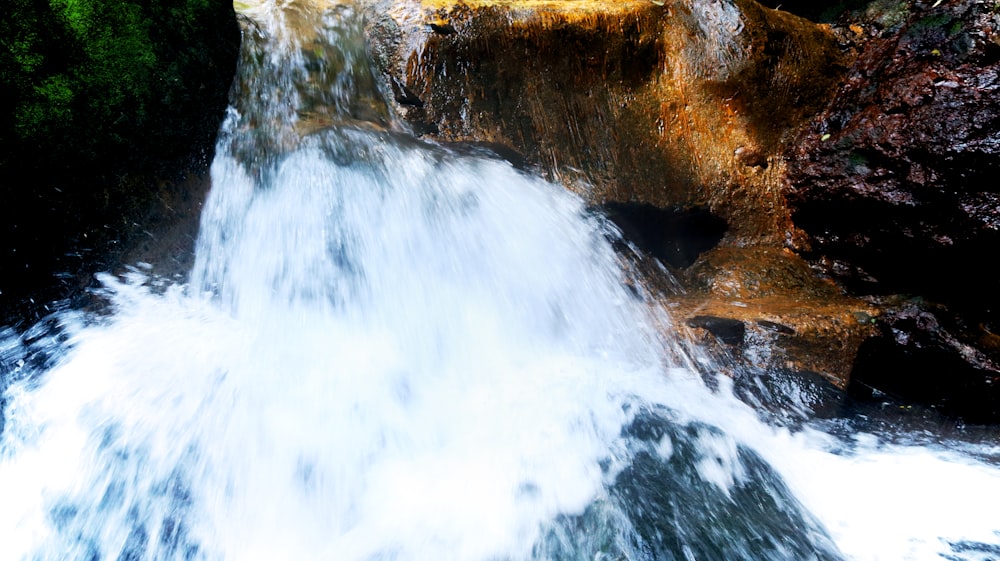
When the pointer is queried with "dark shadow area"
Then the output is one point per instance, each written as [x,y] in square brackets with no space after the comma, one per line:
[675,236]
[911,363]
[53,244]
[108,102]
[823,11]
[930,250]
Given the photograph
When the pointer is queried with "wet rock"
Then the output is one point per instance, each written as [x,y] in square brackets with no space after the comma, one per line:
[791,321]
[669,117]
[404,96]
[779,328]
[755,272]
[816,10]
[647,109]
[919,356]
[894,185]
[707,520]
[895,182]
[676,104]
[729,331]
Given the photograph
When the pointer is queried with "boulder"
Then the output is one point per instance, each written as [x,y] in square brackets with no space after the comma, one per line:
[923,354]
[760,310]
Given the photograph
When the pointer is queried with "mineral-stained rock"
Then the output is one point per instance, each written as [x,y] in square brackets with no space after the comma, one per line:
[682,103]
[790,319]
[669,117]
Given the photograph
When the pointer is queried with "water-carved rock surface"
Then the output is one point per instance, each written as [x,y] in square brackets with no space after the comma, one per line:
[700,106]
[676,103]
[668,116]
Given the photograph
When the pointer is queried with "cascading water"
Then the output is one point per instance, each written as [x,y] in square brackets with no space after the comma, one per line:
[390,351]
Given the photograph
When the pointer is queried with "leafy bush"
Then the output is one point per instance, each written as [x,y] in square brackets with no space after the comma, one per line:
[101,79]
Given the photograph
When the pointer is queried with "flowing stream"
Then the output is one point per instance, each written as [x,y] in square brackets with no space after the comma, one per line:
[388,350]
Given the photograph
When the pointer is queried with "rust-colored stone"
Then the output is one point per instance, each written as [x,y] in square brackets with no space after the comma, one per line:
[792,319]
[783,332]
[698,106]
[684,103]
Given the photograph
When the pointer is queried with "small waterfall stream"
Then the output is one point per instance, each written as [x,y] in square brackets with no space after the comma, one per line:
[390,351]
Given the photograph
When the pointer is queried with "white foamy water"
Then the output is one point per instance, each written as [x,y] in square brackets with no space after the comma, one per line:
[879,501]
[389,351]
[897,502]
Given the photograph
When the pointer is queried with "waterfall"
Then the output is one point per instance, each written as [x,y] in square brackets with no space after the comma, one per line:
[387,350]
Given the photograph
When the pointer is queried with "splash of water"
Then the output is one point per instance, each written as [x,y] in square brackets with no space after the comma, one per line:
[390,351]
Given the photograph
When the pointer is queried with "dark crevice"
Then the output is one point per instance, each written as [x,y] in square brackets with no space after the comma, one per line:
[675,236]
[911,362]
[729,331]
[825,11]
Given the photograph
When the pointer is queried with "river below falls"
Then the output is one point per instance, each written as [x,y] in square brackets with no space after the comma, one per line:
[387,350]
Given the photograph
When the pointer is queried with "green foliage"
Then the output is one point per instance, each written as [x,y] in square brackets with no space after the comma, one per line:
[103,73]
[116,58]
[48,109]
[103,98]
[23,52]
[117,46]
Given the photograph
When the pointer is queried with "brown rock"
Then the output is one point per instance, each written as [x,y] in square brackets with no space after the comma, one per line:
[895,182]
[676,104]
[790,319]
[670,117]
[695,109]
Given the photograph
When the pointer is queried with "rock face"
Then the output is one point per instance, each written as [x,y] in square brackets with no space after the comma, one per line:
[899,173]
[108,103]
[895,185]
[719,134]
[682,103]
[670,118]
